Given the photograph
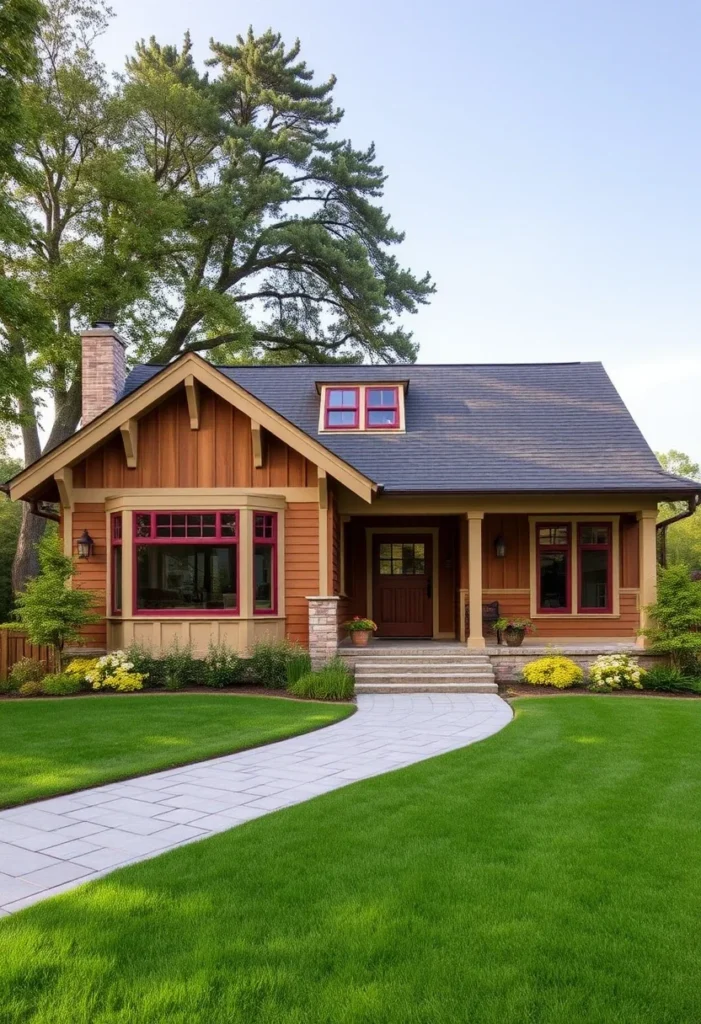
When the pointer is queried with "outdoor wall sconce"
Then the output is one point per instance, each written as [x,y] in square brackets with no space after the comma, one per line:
[86,545]
[500,547]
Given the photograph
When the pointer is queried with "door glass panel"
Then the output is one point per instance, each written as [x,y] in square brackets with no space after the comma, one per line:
[385,550]
[402,559]
[594,579]
[385,567]
[553,580]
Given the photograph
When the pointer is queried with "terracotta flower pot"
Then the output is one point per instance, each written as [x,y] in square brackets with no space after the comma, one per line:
[360,637]
[513,637]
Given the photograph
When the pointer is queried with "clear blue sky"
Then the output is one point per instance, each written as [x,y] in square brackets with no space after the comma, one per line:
[544,159]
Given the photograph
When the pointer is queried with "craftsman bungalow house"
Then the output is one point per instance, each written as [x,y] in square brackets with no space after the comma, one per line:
[237,502]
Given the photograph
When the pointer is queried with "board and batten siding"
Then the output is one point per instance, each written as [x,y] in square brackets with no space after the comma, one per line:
[218,454]
[301,566]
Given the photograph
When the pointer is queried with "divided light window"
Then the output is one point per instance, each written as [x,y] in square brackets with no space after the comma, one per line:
[381,408]
[553,567]
[116,563]
[186,561]
[342,408]
[594,561]
[264,563]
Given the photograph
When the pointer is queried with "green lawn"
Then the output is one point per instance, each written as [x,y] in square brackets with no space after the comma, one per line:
[550,875]
[57,746]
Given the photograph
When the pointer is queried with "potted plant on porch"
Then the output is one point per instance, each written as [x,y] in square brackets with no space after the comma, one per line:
[360,630]
[513,629]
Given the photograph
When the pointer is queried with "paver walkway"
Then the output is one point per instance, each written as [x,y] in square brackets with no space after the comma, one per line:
[57,844]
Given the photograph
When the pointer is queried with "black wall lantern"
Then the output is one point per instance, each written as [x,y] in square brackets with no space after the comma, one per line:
[86,545]
[500,547]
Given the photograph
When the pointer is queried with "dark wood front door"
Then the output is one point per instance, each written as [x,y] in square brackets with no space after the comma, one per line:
[402,574]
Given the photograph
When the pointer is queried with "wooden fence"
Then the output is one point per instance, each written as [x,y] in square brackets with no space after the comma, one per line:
[14,646]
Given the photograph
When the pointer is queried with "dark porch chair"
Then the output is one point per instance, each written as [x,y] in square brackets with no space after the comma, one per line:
[490,614]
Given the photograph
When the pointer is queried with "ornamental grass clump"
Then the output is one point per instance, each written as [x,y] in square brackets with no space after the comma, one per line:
[115,672]
[615,672]
[332,682]
[553,670]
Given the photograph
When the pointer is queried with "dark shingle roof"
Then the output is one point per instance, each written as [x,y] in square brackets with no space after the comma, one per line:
[530,427]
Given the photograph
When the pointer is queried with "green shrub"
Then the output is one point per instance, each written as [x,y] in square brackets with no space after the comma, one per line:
[81,668]
[114,671]
[299,664]
[675,626]
[32,688]
[222,666]
[616,672]
[26,670]
[670,680]
[147,664]
[332,682]
[553,670]
[268,663]
[60,684]
[180,667]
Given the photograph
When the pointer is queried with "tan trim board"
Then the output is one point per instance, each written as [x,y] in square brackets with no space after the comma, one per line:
[213,497]
[257,444]
[64,482]
[197,500]
[151,393]
[193,401]
[130,438]
[433,531]
[537,504]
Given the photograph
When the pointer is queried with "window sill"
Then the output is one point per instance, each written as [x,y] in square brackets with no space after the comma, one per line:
[188,616]
[577,615]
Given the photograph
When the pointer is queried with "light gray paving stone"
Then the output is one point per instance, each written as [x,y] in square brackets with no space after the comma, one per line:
[55,845]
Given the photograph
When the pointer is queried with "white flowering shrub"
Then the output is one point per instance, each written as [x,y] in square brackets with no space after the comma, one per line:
[616,672]
[115,672]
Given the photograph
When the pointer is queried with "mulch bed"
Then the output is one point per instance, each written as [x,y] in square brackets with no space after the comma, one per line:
[507,690]
[252,691]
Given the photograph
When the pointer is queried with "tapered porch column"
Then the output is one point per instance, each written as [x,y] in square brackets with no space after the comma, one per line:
[647,520]
[474,597]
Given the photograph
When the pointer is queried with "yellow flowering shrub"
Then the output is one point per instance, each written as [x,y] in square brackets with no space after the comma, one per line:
[81,666]
[122,680]
[553,670]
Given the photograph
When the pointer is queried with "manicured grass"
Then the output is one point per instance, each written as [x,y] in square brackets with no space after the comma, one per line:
[57,746]
[550,875]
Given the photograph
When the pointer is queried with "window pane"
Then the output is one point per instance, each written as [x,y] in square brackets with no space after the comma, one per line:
[263,576]
[338,398]
[381,396]
[594,569]
[264,529]
[553,580]
[341,419]
[185,576]
[552,535]
[117,579]
[143,526]
[594,535]
[385,566]
[382,418]
[397,550]
[117,527]
[228,525]
[163,526]
[385,550]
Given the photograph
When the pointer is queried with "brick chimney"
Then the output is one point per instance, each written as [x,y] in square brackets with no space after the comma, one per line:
[103,368]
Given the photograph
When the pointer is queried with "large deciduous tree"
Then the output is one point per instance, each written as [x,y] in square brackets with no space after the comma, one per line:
[215,212]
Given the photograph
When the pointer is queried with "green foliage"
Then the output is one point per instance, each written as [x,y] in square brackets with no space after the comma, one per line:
[82,667]
[332,682]
[26,670]
[516,622]
[615,672]
[32,688]
[298,664]
[180,667]
[51,613]
[675,628]
[222,666]
[61,684]
[10,521]
[553,670]
[267,665]
[147,664]
[671,680]
[115,671]
[679,464]
[357,623]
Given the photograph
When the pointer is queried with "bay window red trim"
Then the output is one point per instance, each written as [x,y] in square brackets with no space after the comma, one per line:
[394,409]
[355,409]
[270,541]
[608,548]
[215,539]
[115,546]
[565,548]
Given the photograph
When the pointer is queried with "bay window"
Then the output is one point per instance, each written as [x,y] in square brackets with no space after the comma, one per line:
[264,563]
[186,562]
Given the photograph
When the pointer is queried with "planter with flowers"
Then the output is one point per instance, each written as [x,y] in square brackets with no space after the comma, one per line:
[360,630]
[513,629]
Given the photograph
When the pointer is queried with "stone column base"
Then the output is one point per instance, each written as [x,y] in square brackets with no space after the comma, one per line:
[323,629]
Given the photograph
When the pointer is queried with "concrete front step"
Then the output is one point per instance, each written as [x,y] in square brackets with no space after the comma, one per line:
[437,678]
[387,664]
[388,687]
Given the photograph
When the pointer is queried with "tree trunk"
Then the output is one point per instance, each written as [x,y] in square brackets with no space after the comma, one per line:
[26,563]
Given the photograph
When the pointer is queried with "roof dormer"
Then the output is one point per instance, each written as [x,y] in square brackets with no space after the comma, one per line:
[362,408]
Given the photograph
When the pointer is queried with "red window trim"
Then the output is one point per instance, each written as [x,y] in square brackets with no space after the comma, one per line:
[545,548]
[272,543]
[217,539]
[340,408]
[381,408]
[115,542]
[608,547]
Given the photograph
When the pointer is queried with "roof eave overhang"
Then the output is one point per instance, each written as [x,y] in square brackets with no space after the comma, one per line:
[153,391]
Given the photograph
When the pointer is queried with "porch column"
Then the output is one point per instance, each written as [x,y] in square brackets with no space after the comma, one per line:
[323,629]
[474,597]
[647,520]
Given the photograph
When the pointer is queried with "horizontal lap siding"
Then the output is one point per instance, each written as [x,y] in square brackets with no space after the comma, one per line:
[301,566]
[171,454]
[554,626]
[91,573]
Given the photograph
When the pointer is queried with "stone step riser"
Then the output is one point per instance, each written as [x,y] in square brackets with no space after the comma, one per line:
[426,688]
[391,677]
[422,666]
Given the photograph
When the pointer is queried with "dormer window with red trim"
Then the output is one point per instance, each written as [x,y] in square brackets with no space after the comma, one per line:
[342,408]
[381,408]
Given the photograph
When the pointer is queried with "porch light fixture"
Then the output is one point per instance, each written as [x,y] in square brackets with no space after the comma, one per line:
[500,547]
[86,545]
